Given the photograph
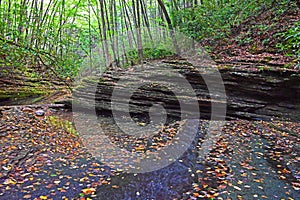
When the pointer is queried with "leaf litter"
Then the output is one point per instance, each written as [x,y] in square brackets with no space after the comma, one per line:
[251,160]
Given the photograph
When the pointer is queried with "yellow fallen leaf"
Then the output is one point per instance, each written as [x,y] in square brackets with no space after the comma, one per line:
[84,179]
[9,181]
[237,188]
[142,124]
[243,174]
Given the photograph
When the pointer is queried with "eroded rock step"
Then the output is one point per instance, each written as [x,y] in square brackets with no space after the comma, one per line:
[250,94]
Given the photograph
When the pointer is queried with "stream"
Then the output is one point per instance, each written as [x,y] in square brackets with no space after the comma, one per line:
[179,179]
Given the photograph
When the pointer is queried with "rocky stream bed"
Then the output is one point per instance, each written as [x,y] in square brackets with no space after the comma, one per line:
[256,155]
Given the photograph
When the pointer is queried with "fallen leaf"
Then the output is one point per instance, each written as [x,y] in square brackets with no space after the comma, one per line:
[88,190]
[27,196]
[237,188]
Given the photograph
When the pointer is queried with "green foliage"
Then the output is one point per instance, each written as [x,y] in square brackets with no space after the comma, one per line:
[69,66]
[291,40]
[148,53]
[281,6]
[35,35]
[10,54]
[214,20]
[64,34]
[18,57]
[156,53]
[244,40]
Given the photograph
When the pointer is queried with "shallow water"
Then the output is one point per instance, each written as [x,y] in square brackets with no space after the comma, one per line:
[170,182]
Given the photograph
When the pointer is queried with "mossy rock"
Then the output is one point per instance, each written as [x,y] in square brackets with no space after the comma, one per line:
[23,95]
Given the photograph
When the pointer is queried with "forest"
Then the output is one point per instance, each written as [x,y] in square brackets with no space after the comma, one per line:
[149,99]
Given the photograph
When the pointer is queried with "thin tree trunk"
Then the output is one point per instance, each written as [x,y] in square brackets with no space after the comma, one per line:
[104,42]
[164,10]
[137,20]
[146,20]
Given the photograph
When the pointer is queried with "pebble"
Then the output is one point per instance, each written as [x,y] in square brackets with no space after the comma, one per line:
[40,113]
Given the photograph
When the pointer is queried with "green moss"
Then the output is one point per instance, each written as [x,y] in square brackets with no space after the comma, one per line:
[78,87]
[4,71]
[91,79]
[225,67]
[62,124]
[264,68]
[23,92]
